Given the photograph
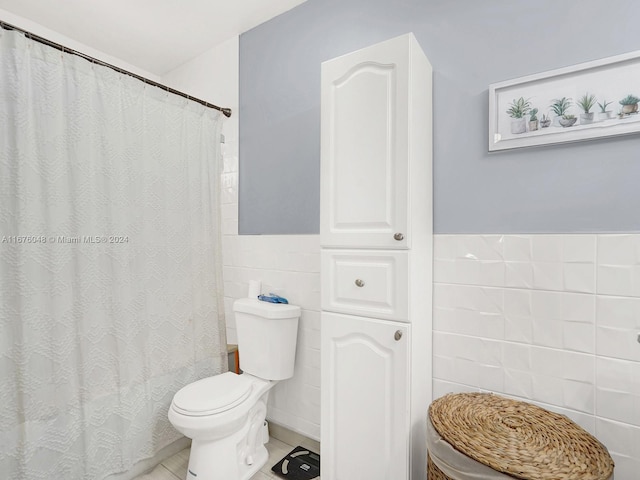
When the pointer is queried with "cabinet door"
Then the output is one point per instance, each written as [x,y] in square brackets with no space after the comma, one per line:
[365,411]
[364,147]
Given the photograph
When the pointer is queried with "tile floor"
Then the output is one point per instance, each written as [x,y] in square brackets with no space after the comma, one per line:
[175,468]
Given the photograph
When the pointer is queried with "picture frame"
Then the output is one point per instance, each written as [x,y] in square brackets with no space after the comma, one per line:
[608,89]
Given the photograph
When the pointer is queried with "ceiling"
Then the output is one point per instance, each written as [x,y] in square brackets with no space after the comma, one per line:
[155,35]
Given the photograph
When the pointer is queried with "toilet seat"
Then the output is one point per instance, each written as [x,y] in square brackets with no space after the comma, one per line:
[212,395]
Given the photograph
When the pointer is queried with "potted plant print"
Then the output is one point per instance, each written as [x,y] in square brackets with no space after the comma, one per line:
[533,120]
[586,103]
[517,111]
[568,120]
[560,107]
[629,104]
[604,114]
[545,121]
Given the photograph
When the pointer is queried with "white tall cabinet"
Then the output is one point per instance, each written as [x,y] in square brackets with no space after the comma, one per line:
[376,262]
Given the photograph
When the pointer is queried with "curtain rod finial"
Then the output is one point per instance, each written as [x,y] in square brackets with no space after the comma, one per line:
[226,112]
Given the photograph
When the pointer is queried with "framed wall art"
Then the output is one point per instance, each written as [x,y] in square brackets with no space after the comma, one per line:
[586,101]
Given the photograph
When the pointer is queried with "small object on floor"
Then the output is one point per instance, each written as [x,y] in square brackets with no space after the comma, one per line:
[272,298]
[298,464]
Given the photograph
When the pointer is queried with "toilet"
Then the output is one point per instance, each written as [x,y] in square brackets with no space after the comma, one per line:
[224,415]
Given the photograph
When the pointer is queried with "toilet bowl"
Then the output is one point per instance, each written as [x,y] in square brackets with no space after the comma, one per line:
[224,415]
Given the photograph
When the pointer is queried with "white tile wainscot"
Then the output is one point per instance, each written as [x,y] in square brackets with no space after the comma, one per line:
[288,265]
[550,319]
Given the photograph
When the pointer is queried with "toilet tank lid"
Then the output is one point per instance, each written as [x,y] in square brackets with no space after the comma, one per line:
[266,309]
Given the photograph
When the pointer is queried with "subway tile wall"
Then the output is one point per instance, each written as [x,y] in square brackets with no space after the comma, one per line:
[551,319]
[526,316]
[288,266]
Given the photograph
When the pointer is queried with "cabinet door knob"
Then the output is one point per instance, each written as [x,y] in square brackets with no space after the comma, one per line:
[398,335]
[398,236]
[359,283]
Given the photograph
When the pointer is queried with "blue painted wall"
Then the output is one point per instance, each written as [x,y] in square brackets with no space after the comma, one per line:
[583,187]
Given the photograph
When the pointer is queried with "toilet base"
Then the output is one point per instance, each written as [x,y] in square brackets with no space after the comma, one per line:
[202,466]
[236,457]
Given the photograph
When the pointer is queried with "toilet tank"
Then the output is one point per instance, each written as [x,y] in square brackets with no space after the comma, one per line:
[267,336]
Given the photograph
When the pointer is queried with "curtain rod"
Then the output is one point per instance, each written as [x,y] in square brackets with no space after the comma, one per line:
[225,111]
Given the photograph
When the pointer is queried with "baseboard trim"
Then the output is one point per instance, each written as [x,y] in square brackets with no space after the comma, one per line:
[292,438]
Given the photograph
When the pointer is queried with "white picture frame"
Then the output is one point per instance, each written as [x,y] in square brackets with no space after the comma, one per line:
[610,80]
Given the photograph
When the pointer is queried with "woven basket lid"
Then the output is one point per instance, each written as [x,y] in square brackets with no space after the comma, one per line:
[519,439]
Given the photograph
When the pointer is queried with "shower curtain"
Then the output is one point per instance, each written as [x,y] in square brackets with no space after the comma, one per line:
[110,268]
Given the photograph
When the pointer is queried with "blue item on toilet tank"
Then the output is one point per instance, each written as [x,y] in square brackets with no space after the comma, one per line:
[272,298]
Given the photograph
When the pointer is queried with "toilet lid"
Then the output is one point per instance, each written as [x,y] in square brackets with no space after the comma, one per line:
[212,395]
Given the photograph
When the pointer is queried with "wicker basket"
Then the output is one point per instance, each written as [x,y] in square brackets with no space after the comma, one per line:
[518,439]
[433,472]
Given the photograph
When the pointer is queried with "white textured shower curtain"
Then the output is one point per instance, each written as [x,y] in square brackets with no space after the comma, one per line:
[110,268]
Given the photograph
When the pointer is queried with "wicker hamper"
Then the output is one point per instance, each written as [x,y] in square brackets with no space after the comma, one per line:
[485,436]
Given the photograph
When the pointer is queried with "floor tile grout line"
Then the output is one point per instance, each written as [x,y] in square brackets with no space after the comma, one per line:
[170,472]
